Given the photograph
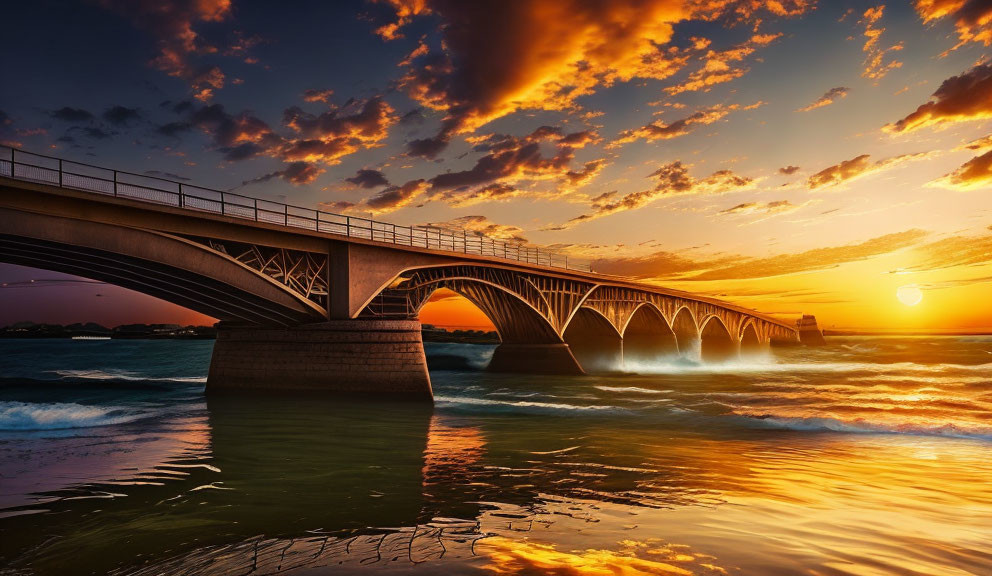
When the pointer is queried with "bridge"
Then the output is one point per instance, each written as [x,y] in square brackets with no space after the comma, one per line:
[312,300]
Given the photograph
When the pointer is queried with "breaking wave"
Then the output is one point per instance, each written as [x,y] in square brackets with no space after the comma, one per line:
[61,416]
[862,426]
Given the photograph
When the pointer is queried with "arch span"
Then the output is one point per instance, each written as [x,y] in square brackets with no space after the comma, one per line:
[594,342]
[647,337]
[750,343]
[686,332]
[716,343]
[161,265]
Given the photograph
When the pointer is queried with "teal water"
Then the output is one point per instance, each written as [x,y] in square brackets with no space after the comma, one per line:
[869,456]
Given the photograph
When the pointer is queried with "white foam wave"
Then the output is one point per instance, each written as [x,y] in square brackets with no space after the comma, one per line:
[769,365]
[862,426]
[60,416]
[456,400]
[631,390]
[124,375]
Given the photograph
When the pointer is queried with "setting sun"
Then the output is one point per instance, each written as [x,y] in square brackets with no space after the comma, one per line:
[909,295]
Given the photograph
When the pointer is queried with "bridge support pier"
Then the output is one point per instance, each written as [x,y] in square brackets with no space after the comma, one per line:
[553,358]
[382,359]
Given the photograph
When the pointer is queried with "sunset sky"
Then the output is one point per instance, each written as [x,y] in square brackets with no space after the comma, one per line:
[791,156]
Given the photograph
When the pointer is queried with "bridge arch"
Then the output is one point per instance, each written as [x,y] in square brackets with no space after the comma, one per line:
[716,342]
[594,341]
[162,265]
[686,332]
[647,336]
[750,341]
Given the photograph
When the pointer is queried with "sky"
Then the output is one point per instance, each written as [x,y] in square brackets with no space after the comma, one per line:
[791,156]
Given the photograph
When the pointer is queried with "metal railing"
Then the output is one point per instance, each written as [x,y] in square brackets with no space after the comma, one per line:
[32,167]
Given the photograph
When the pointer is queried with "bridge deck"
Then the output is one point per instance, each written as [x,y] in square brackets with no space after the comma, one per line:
[24,171]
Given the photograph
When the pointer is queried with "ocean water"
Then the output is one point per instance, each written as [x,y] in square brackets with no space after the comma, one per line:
[870,456]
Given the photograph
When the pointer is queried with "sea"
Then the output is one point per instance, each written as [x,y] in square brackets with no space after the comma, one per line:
[869,456]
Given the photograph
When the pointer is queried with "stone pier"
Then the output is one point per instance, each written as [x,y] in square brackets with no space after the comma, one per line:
[372,358]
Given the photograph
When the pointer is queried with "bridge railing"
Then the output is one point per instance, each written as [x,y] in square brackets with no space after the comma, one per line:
[32,167]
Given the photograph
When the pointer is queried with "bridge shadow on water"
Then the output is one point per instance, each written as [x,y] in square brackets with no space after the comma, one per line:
[279,484]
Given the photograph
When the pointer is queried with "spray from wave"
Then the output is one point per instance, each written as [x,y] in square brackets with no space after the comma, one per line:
[61,416]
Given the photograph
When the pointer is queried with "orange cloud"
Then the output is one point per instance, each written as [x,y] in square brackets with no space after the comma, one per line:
[972,18]
[827,99]
[719,66]
[659,130]
[855,168]
[961,98]
[975,174]
[484,226]
[673,180]
[875,65]
[546,53]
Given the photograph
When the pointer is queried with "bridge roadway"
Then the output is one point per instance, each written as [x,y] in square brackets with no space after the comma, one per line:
[310,300]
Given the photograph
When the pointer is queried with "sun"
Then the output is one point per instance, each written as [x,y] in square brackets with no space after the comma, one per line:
[909,295]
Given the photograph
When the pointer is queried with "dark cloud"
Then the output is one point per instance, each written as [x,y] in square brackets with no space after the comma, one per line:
[366,178]
[827,99]
[314,95]
[121,115]
[295,172]
[68,114]
[166,175]
[967,96]
[171,24]
[788,170]
[509,160]
[775,207]
[482,225]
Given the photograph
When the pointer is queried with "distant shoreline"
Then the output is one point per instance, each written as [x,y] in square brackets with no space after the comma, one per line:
[906,333]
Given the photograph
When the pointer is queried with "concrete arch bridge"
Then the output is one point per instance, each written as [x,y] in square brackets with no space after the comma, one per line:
[314,300]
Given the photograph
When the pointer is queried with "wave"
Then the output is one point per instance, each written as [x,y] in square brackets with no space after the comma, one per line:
[862,426]
[465,401]
[61,416]
[770,365]
[631,389]
[124,375]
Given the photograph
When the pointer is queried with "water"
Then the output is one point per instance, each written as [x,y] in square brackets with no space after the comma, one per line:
[870,456]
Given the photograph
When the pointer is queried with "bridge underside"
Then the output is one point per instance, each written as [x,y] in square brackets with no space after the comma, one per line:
[321,312]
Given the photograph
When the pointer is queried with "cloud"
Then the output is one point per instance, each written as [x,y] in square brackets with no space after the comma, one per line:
[775,207]
[171,25]
[951,252]
[673,180]
[366,178]
[788,170]
[972,18]
[827,99]
[659,130]
[855,168]
[485,227]
[673,266]
[875,63]
[308,140]
[68,114]
[314,95]
[961,98]
[496,58]
[975,174]
[120,115]
[395,197]
[295,172]
[719,66]
[509,161]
